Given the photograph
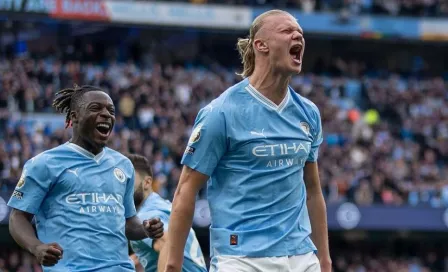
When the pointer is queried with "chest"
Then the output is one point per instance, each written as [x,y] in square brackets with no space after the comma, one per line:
[92,182]
[269,138]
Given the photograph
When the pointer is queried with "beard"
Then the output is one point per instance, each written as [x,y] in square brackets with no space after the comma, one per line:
[139,195]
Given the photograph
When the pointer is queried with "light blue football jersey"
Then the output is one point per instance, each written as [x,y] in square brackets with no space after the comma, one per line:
[254,152]
[81,202]
[155,206]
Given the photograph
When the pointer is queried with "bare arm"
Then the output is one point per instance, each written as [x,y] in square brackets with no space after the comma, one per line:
[159,246]
[182,216]
[22,230]
[318,213]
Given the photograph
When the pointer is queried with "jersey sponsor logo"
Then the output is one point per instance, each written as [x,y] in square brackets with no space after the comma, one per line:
[292,153]
[190,150]
[274,150]
[17,194]
[305,127]
[96,202]
[21,180]
[195,135]
[119,174]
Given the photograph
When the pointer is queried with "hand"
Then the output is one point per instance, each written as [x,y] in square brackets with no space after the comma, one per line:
[153,228]
[48,254]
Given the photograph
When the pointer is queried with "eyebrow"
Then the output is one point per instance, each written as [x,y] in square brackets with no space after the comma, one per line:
[283,27]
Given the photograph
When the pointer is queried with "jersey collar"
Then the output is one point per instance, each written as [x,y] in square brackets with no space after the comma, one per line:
[265,101]
[86,153]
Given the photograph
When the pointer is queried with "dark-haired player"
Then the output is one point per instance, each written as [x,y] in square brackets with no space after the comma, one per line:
[81,194]
[152,253]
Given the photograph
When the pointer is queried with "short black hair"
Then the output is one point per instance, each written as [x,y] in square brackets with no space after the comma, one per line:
[68,99]
[141,163]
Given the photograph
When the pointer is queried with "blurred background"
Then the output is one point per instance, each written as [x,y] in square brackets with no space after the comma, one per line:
[375,68]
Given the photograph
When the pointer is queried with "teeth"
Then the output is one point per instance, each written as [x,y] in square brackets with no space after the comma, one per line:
[103,126]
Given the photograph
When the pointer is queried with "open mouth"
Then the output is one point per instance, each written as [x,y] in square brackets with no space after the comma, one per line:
[104,128]
[296,53]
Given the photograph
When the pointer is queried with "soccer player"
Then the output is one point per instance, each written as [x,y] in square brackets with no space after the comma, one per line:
[257,145]
[80,193]
[149,204]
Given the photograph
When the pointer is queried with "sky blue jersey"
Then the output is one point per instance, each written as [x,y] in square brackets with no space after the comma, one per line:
[155,206]
[80,201]
[254,152]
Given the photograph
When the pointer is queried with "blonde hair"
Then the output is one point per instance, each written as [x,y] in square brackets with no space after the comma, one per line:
[245,45]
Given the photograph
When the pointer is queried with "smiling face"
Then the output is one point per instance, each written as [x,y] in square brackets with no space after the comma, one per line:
[280,38]
[93,120]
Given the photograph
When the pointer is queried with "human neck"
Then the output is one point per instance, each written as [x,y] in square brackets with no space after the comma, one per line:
[273,86]
[84,144]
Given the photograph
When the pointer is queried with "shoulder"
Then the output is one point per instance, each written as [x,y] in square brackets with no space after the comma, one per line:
[120,160]
[308,105]
[47,158]
[227,102]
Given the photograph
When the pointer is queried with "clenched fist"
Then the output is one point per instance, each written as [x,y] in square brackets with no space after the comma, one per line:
[48,254]
[153,228]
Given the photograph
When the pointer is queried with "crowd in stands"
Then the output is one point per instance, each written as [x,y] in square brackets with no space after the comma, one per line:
[383,7]
[386,139]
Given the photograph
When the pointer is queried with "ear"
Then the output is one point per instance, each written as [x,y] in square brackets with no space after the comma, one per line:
[147,183]
[74,117]
[261,46]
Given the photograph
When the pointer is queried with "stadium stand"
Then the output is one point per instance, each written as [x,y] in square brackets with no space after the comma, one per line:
[393,154]
[426,8]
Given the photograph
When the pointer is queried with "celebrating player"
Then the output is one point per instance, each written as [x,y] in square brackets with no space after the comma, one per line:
[257,145]
[152,253]
[81,194]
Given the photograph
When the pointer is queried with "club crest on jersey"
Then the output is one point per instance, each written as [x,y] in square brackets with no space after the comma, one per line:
[119,174]
[195,135]
[305,127]
[21,180]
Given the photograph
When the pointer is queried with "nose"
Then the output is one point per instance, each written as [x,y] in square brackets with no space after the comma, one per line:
[105,113]
[296,36]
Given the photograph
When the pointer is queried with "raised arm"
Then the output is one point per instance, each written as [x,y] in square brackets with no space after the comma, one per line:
[190,183]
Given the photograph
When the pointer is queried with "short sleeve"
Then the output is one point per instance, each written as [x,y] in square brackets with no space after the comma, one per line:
[317,137]
[208,142]
[147,242]
[129,206]
[32,186]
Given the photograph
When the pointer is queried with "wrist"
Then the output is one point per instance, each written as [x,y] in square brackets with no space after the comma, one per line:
[324,260]
[33,247]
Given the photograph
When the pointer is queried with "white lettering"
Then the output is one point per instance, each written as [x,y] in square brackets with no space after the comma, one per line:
[280,149]
[87,201]
[285,162]
[72,199]
[258,150]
